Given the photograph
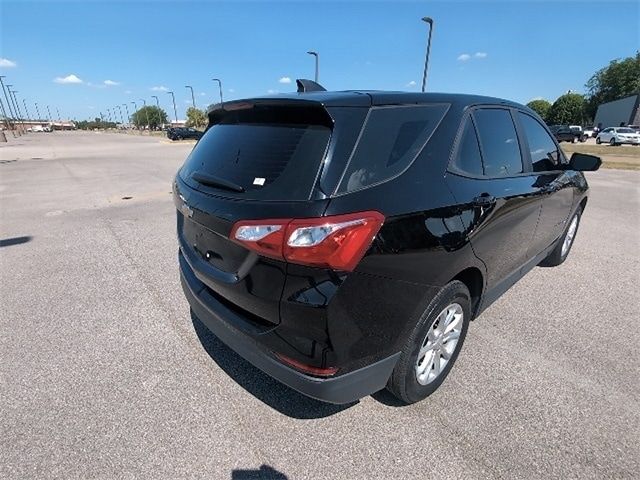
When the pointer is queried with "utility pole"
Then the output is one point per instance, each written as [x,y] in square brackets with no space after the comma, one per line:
[4,117]
[315,54]
[15,110]
[428,20]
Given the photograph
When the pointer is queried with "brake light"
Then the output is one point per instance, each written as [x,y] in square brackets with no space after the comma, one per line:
[337,242]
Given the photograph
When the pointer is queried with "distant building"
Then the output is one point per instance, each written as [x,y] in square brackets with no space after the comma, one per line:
[623,111]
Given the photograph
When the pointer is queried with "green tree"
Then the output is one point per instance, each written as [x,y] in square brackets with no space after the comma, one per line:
[567,110]
[619,79]
[153,115]
[196,118]
[541,107]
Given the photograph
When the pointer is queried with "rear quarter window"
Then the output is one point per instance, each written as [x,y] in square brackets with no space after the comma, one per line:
[391,139]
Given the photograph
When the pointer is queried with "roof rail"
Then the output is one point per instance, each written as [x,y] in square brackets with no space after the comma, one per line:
[305,85]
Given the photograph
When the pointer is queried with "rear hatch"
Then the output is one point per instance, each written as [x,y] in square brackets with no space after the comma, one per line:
[253,162]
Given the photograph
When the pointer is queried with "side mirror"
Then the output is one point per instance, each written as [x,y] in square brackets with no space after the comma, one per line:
[584,163]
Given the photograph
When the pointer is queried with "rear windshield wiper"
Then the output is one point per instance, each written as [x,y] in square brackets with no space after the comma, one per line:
[213,181]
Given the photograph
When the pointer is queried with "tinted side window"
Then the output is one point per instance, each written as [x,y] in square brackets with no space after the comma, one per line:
[500,149]
[391,140]
[543,150]
[468,157]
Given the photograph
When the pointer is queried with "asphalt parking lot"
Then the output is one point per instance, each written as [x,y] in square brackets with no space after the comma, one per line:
[103,373]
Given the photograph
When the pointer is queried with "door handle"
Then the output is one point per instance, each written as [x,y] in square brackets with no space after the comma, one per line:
[484,200]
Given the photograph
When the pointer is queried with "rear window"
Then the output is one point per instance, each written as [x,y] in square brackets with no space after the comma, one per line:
[391,140]
[272,153]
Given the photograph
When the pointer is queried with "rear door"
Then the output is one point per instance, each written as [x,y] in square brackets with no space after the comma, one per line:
[499,201]
[552,179]
[256,163]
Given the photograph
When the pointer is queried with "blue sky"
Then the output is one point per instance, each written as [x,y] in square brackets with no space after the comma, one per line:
[513,49]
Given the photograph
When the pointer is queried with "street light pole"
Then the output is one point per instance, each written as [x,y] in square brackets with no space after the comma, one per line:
[24,102]
[12,94]
[315,54]
[220,87]
[158,106]
[121,117]
[146,112]
[109,115]
[59,117]
[5,117]
[175,110]
[12,122]
[136,107]
[193,98]
[428,20]
[50,119]
[37,111]
[127,110]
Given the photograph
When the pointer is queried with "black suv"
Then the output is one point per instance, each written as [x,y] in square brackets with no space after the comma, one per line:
[342,241]
[179,133]
[564,133]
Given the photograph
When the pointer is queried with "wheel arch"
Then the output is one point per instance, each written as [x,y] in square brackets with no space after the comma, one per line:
[474,280]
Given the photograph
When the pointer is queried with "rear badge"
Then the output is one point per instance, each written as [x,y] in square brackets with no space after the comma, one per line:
[258,181]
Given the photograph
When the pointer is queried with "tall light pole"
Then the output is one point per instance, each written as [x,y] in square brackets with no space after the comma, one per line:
[50,119]
[109,115]
[136,111]
[37,111]
[219,86]
[5,117]
[146,112]
[12,122]
[59,117]
[12,94]
[428,20]
[193,98]
[158,106]
[121,117]
[315,54]
[127,110]
[175,111]
[24,102]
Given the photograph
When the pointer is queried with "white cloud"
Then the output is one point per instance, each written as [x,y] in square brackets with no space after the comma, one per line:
[231,90]
[284,80]
[464,57]
[111,83]
[203,94]
[480,55]
[68,79]
[412,83]
[536,98]
[159,88]
[6,63]
[271,91]
[128,92]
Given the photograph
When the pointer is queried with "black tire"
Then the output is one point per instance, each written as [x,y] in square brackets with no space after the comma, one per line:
[598,141]
[556,257]
[178,137]
[612,142]
[403,382]
[574,140]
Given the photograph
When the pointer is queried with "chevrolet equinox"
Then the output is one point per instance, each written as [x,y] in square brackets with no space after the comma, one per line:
[342,241]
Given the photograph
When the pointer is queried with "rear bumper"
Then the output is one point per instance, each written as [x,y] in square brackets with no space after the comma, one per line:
[218,319]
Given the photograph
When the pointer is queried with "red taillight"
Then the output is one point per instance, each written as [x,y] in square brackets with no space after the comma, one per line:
[337,242]
[317,371]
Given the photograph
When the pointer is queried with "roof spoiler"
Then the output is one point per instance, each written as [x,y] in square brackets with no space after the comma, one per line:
[305,85]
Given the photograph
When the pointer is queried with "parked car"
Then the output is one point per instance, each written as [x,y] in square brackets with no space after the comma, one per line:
[618,136]
[589,132]
[564,133]
[343,241]
[179,133]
